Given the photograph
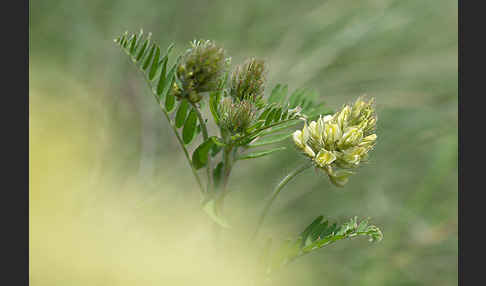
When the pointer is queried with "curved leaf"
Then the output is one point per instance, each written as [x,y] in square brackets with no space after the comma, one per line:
[200,155]
[169,102]
[149,57]
[214,105]
[163,76]
[181,113]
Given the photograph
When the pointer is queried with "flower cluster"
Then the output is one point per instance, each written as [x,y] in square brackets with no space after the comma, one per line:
[248,80]
[246,87]
[340,142]
[236,115]
[200,70]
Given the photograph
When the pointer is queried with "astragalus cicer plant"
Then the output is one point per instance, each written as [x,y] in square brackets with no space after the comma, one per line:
[248,120]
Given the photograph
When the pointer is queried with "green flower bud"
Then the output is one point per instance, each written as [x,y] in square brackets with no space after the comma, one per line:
[248,80]
[332,133]
[351,137]
[301,138]
[324,158]
[201,69]
[340,178]
[342,117]
[351,157]
[315,131]
[368,141]
[236,116]
[298,139]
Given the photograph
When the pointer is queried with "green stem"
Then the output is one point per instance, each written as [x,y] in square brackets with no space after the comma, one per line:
[277,190]
[226,173]
[209,167]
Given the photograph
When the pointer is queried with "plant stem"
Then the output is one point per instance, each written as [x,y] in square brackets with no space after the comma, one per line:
[226,173]
[277,190]
[209,167]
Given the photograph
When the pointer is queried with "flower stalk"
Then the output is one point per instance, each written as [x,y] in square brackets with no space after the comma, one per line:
[275,193]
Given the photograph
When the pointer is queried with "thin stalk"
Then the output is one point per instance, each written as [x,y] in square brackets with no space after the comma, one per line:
[227,165]
[209,167]
[275,193]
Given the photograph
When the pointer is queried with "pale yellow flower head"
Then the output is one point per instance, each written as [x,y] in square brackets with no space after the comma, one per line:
[340,142]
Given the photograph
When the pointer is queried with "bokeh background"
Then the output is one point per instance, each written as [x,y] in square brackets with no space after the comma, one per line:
[112,201]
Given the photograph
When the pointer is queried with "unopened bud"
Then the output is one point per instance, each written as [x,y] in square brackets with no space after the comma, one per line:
[332,133]
[325,157]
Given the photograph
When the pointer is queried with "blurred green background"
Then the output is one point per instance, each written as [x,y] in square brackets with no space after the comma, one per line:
[112,201]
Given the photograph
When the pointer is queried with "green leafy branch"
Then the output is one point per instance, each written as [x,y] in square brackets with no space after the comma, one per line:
[318,234]
[146,55]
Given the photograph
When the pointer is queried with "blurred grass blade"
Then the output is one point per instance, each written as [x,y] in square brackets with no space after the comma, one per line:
[260,154]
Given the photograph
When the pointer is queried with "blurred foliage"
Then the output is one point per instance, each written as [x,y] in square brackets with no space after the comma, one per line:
[106,175]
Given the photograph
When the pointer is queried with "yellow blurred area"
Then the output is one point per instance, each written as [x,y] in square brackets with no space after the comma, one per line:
[88,229]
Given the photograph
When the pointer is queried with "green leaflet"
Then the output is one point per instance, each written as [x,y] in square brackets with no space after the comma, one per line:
[181,113]
[265,112]
[270,140]
[255,126]
[162,79]
[189,129]
[213,105]
[200,155]
[270,117]
[155,64]
[278,95]
[143,49]
[319,234]
[125,40]
[280,127]
[277,114]
[133,41]
[168,82]
[260,154]
[149,57]
[169,102]
[295,97]
[310,228]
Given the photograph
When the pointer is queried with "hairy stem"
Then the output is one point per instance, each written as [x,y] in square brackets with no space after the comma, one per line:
[209,167]
[275,193]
